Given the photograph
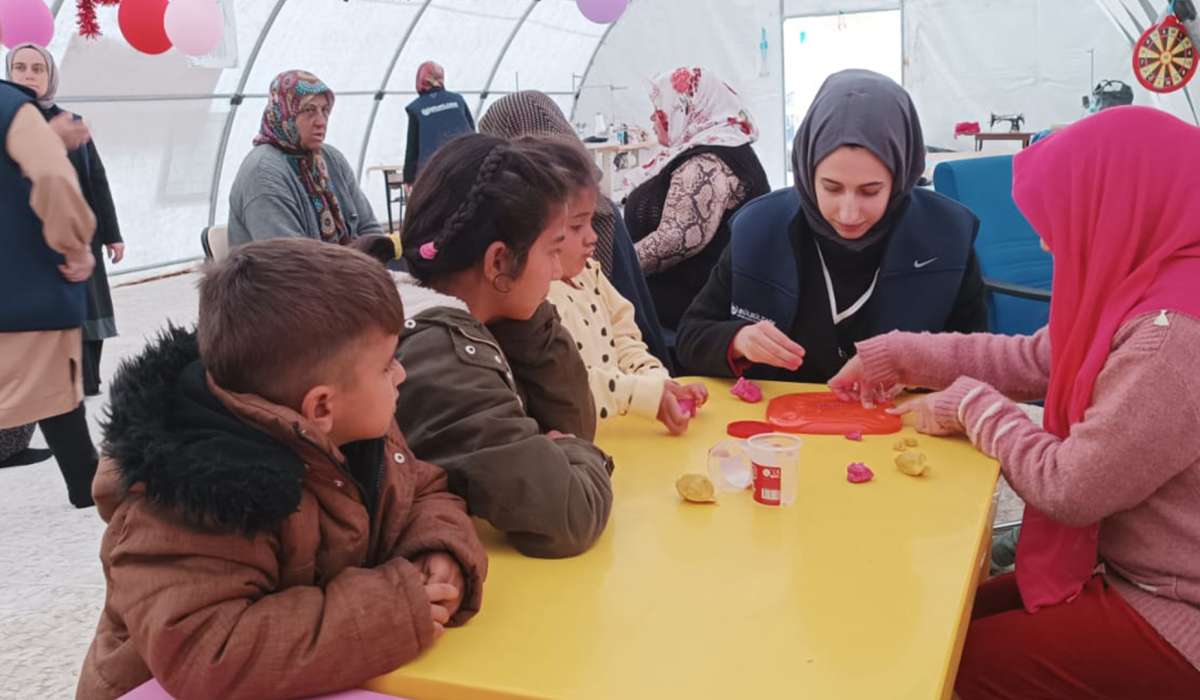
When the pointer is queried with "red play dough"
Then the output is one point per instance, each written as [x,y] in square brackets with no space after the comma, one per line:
[748,428]
[821,413]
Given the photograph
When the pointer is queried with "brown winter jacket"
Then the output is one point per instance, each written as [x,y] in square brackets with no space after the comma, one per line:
[484,421]
[248,557]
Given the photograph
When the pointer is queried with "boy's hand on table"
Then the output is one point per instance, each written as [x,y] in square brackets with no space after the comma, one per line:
[438,594]
[444,584]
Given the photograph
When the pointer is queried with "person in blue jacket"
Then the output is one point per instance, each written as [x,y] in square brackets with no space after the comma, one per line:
[854,250]
[434,118]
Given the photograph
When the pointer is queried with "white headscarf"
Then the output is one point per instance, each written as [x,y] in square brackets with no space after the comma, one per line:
[697,109]
[46,99]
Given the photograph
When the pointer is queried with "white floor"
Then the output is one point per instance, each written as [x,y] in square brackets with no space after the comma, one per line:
[51,584]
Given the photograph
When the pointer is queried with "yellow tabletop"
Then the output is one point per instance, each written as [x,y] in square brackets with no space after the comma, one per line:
[855,591]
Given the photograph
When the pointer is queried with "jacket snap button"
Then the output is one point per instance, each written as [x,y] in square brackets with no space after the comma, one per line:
[410,324]
[399,458]
[470,349]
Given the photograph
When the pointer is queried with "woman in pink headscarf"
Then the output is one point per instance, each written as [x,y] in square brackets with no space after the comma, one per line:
[435,117]
[1105,601]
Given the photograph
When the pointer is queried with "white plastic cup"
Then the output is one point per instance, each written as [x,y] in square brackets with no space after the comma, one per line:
[767,464]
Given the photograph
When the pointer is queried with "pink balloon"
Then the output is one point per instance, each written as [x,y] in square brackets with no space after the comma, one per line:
[194,26]
[26,21]
[602,11]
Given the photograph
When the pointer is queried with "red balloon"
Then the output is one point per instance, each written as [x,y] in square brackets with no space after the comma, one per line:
[141,22]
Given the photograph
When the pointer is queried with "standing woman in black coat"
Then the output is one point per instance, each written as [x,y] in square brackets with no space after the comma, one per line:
[33,66]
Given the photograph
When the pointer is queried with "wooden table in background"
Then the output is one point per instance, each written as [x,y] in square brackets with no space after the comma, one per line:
[1023,136]
[393,180]
[855,591]
[607,153]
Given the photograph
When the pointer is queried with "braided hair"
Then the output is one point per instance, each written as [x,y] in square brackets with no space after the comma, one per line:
[477,190]
[533,113]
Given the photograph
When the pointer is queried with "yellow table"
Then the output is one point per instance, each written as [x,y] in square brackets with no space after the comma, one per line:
[856,591]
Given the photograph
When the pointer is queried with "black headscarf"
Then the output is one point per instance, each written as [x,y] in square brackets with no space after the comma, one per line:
[869,110]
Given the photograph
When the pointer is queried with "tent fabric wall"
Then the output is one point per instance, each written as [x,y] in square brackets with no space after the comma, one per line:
[659,35]
[797,8]
[957,72]
[173,130]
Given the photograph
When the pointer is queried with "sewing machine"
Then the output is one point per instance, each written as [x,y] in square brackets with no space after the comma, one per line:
[1108,93]
[1014,120]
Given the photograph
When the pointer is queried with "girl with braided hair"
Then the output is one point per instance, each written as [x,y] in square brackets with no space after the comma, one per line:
[533,113]
[505,406]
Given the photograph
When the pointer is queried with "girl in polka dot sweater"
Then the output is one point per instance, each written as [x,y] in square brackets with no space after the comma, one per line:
[625,377]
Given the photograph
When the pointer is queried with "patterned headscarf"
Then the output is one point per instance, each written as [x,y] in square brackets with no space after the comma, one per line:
[46,99]
[430,76]
[532,113]
[695,108]
[290,92]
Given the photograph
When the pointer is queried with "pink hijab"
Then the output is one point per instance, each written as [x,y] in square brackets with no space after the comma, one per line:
[429,77]
[1113,198]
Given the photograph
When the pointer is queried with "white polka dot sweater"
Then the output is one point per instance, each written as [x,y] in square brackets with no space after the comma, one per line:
[624,376]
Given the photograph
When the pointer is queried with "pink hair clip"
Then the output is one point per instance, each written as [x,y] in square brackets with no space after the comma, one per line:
[428,250]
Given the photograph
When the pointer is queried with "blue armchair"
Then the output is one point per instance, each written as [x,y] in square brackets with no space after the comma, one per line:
[1016,271]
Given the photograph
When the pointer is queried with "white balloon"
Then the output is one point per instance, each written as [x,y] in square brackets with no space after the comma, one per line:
[195,27]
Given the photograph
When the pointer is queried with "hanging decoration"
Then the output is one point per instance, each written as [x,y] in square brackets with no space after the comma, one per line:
[1164,58]
[195,27]
[85,17]
[602,11]
[142,24]
[25,21]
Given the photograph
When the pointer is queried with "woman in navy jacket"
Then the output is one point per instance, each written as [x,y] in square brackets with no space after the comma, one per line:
[852,251]
[435,117]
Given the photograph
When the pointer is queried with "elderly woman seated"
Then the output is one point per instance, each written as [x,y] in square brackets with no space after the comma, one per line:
[292,183]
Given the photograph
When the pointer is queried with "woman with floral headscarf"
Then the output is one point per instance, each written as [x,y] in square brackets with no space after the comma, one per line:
[292,183]
[679,213]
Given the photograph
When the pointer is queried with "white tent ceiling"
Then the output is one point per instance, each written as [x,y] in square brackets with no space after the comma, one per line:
[173,131]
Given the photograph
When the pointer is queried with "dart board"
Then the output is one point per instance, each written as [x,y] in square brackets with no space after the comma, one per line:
[1164,59]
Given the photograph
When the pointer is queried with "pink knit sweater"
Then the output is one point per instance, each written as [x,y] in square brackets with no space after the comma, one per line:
[1132,464]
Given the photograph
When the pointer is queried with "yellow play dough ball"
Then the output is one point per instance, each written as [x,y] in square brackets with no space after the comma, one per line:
[696,488]
[911,463]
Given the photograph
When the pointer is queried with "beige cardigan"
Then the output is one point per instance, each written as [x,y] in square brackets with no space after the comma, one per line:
[39,371]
